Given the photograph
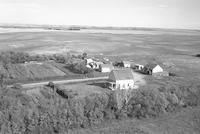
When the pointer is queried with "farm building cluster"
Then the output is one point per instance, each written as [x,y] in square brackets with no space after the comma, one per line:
[121,74]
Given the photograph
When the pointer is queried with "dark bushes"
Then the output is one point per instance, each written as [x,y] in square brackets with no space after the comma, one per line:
[197,55]
[47,112]
[11,57]
[80,68]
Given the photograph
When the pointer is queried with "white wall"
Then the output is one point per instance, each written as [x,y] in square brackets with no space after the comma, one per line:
[127,65]
[157,69]
[124,84]
[105,70]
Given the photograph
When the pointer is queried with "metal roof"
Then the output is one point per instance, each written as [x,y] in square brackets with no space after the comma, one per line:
[107,66]
[123,74]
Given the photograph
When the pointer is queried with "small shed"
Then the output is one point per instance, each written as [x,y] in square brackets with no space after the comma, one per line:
[121,79]
[126,64]
[106,68]
[138,67]
[152,68]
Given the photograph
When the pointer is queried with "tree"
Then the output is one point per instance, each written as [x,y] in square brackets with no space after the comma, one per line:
[3,78]
[81,68]
[84,55]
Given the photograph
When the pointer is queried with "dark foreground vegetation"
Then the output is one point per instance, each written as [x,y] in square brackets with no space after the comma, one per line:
[52,110]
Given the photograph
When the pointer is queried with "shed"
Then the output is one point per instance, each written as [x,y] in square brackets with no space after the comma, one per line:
[105,68]
[126,64]
[152,68]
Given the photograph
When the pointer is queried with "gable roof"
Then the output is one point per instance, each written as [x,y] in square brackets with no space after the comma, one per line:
[126,62]
[150,65]
[107,66]
[123,74]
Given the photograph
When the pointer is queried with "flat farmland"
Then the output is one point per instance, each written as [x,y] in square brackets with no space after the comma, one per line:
[174,49]
[107,42]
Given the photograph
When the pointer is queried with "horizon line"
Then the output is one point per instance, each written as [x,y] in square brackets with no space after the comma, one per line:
[92,26]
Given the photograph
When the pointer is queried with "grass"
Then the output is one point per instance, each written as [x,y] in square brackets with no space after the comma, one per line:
[131,43]
[83,89]
[178,123]
[33,71]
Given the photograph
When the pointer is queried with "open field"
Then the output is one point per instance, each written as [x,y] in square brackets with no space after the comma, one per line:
[108,42]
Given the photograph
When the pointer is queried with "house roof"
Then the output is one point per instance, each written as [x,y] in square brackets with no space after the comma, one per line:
[107,66]
[126,62]
[123,74]
[150,65]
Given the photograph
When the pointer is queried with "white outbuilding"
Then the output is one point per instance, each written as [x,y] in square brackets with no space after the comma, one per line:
[138,67]
[121,79]
[152,68]
[106,68]
[126,64]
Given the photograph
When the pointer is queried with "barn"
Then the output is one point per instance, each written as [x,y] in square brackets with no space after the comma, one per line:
[121,79]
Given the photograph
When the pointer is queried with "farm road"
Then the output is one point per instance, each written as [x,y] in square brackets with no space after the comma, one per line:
[29,85]
[139,80]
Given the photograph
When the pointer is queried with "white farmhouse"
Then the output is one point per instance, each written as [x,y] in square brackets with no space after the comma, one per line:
[152,68]
[121,79]
[106,68]
[126,64]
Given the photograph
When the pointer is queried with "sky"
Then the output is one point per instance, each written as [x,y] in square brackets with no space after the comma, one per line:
[123,13]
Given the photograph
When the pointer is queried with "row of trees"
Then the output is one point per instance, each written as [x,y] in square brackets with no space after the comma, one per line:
[22,57]
[11,57]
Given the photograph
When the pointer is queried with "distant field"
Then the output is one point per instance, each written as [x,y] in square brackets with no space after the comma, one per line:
[175,49]
[108,42]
